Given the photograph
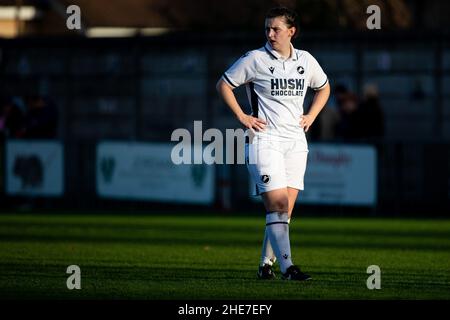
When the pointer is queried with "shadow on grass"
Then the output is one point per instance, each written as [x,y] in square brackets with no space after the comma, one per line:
[203,238]
[363,230]
[190,282]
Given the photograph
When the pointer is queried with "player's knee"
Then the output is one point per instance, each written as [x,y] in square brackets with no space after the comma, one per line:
[279,205]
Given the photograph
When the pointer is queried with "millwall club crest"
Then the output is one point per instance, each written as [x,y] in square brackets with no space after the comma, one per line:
[300,70]
[265,178]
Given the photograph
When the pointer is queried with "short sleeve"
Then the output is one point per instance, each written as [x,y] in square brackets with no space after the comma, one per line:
[242,71]
[318,78]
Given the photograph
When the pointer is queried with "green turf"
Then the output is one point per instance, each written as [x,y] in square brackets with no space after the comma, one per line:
[166,257]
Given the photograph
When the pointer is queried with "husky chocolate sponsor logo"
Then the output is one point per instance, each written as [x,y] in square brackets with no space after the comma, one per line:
[287,87]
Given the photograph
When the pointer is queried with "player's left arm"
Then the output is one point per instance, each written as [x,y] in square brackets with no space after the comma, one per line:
[319,101]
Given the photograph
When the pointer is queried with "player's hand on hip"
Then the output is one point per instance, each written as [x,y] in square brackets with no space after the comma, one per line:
[251,122]
[306,121]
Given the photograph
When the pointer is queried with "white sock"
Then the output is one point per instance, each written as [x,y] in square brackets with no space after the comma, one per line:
[267,254]
[278,234]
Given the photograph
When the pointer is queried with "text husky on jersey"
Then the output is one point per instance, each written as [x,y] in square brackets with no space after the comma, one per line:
[287,87]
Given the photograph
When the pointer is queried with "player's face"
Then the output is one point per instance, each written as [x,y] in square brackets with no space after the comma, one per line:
[278,33]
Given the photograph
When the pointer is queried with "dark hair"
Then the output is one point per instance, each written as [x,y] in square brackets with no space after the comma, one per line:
[290,17]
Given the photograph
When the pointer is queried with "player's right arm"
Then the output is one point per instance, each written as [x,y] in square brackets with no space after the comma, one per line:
[243,71]
[227,94]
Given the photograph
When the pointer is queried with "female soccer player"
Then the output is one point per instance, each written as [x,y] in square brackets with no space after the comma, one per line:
[276,78]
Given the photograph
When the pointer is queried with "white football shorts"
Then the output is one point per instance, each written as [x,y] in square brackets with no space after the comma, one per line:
[276,164]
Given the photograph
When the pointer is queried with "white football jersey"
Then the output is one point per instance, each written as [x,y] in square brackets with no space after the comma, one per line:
[276,88]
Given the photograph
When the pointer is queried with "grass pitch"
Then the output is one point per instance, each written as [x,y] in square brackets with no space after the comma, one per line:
[180,257]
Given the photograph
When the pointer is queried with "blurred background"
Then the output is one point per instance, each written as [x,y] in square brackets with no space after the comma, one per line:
[87,114]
